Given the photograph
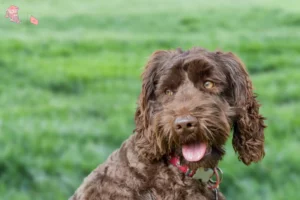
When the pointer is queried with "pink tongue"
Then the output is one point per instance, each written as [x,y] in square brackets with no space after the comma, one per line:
[194,152]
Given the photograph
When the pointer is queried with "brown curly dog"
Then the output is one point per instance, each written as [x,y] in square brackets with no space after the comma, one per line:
[189,103]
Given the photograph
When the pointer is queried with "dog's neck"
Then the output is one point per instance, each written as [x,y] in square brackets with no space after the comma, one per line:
[202,174]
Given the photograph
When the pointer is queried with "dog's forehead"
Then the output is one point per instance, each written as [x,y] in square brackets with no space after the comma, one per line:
[198,58]
[194,67]
[191,62]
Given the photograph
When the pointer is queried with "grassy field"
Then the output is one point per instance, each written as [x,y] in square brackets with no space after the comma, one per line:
[68,86]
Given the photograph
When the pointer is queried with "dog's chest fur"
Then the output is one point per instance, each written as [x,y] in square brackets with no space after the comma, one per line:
[124,177]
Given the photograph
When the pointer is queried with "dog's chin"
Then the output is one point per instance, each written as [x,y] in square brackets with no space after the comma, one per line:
[207,162]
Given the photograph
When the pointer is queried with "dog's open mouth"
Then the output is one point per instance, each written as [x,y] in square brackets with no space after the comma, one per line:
[195,151]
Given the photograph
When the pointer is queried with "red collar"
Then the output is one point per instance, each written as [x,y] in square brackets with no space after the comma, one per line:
[175,160]
[212,184]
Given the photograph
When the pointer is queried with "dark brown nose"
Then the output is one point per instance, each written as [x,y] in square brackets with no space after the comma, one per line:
[185,124]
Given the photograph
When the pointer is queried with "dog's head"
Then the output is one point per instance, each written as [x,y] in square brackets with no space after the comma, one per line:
[189,103]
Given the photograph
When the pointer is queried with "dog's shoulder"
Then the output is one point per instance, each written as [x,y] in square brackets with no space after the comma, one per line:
[113,178]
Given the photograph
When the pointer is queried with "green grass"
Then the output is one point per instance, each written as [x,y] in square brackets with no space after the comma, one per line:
[69,86]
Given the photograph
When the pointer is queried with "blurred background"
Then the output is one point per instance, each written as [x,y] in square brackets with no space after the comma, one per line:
[68,86]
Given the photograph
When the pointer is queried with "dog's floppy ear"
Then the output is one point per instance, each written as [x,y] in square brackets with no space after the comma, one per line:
[248,129]
[150,77]
[145,143]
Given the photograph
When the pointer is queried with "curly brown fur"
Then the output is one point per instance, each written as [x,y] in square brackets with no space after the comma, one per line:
[173,85]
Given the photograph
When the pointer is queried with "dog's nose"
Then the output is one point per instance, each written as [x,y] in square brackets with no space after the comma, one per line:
[185,124]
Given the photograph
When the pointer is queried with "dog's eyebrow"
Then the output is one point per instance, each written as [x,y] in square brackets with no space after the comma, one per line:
[200,64]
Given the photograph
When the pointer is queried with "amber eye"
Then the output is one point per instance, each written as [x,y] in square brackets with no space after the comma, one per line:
[169,92]
[208,84]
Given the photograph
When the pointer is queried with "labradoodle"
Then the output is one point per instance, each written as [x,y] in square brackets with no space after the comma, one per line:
[189,103]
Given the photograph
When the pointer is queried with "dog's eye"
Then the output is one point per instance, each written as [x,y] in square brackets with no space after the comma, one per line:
[169,92]
[209,84]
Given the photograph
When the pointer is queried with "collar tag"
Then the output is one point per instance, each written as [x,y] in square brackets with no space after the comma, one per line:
[204,174]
